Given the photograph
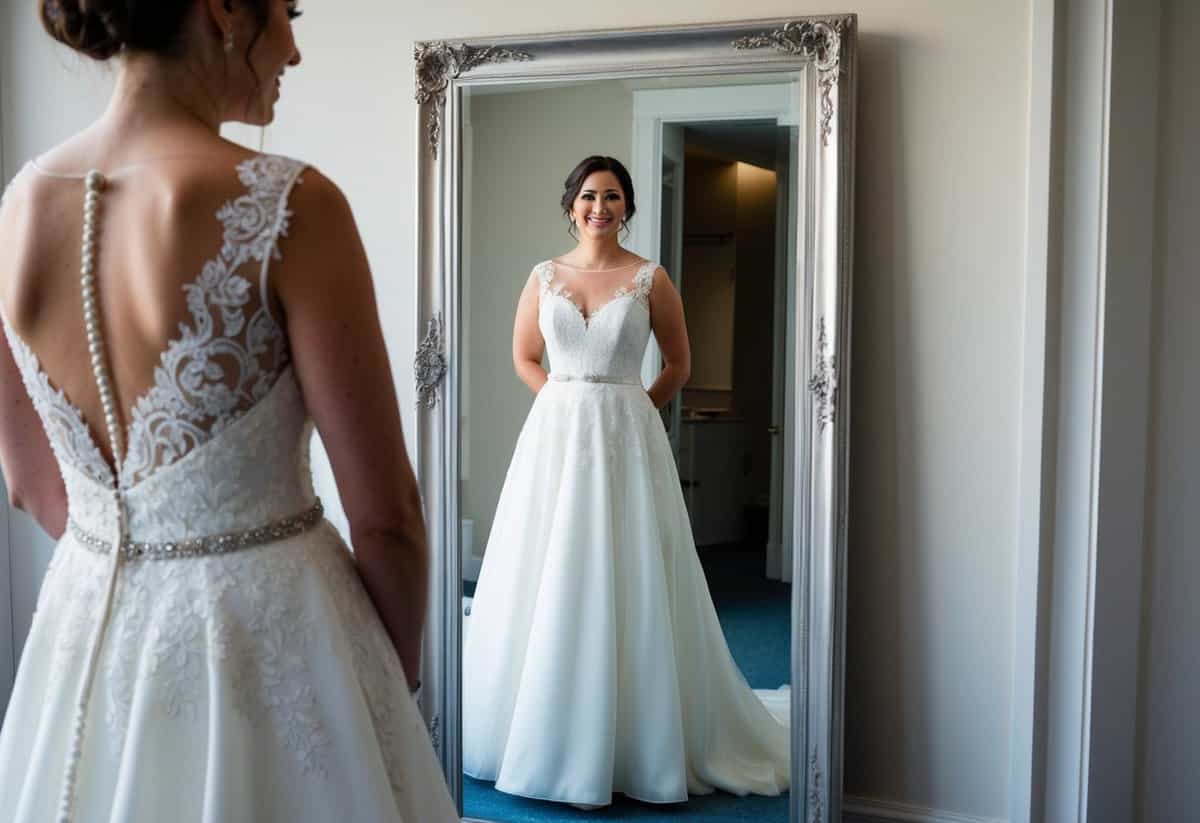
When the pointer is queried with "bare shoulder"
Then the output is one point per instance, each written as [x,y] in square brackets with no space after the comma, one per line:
[316,199]
[322,250]
[321,222]
[20,202]
[20,197]
[661,281]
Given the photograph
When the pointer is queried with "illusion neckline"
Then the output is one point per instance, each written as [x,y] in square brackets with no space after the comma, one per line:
[62,175]
[119,171]
[558,262]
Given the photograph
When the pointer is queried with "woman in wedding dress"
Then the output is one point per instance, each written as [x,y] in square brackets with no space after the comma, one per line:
[593,661]
[181,311]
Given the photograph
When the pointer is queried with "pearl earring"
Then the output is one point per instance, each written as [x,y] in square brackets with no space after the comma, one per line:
[228,41]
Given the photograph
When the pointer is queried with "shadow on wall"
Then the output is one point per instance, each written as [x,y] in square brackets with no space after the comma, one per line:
[881,436]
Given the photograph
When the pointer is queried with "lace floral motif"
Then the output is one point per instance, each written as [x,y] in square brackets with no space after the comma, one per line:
[639,288]
[247,623]
[224,363]
[65,427]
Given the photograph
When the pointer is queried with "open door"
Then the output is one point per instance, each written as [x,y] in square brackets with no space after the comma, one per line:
[783,439]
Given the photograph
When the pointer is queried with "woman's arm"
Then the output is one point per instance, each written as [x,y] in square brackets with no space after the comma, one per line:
[339,355]
[31,472]
[528,343]
[670,330]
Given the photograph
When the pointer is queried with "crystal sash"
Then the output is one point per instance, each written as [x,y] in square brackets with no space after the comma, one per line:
[210,544]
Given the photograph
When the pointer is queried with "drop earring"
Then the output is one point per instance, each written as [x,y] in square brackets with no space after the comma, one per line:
[228,42]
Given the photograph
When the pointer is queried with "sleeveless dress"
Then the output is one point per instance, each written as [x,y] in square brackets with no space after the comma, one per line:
[226,665]
[593,660]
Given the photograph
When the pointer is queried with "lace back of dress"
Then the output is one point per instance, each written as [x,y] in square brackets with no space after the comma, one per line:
[230,355]
[227,356]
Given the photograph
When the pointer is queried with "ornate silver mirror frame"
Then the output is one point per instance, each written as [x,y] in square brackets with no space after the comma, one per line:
[822,51]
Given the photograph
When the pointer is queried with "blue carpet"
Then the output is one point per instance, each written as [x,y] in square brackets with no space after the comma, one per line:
[754,614]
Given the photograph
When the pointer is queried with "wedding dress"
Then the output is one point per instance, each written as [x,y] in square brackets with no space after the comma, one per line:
[594,662]
[226,665]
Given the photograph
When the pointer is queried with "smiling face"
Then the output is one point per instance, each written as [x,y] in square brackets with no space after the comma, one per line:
[261,53]
[599,208]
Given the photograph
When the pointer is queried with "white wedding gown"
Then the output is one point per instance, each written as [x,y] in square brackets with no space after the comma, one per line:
[241,677]
[594,662]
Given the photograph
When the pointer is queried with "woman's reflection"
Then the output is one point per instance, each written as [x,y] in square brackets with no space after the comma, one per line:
[594,661]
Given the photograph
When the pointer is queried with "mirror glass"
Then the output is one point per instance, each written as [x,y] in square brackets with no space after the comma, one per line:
[627,568]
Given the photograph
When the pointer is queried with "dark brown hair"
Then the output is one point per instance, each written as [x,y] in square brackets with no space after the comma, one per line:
[101,29]
[589,166]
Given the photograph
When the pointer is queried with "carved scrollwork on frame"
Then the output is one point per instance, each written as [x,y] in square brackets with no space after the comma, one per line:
[816,803]
[430,363]
[824,381]
[439,62]
[820,40]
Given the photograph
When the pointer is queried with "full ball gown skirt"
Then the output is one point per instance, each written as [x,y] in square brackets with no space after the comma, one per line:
[594,661]
[252,685]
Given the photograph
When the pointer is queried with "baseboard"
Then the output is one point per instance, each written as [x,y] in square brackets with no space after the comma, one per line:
[871,810]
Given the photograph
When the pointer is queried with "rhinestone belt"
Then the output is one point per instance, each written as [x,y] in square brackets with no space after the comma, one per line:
[199,546]
[593,378]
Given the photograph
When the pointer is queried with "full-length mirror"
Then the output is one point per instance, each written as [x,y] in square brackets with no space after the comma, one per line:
[630,451]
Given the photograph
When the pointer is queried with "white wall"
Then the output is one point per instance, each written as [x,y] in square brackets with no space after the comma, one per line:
[1169,759]
[942,149]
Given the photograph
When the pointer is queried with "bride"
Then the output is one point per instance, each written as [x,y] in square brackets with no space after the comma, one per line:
[181,312]
[594,662]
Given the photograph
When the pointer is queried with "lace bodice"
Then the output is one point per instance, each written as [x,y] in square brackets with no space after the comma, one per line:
[220,441]
[608,343]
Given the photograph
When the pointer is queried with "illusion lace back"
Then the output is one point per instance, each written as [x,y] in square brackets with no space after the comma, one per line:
[593,659]
[231,357]
[240,670]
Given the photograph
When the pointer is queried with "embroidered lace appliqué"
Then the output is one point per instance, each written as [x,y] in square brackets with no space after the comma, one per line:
[639,289]
[224,363]
[69,436]
[251,619]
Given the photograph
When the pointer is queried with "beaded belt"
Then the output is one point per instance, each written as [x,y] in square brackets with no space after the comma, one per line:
[211,544]
[593,378]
